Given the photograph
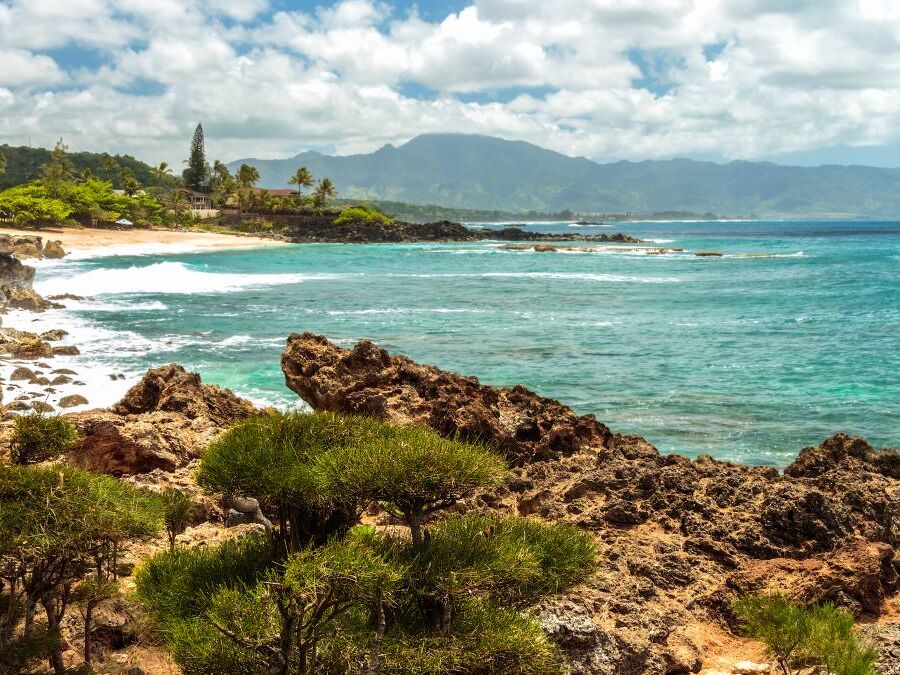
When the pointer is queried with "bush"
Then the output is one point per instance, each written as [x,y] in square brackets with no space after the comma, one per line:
[797,636]
[38,437]
[412,469]
[58,525]
[362,215]
[178,584]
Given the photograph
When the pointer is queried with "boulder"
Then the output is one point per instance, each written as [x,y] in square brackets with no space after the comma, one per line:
[13,274]
[22,373]
[54,334]
[72,400]
[367,380]
[53,249]
[172,389]
[163,422]
[66,350]
[27,299]
[42,407]
[23,345]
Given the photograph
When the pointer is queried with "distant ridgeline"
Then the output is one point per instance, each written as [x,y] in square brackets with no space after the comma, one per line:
[491,174]
[23,164]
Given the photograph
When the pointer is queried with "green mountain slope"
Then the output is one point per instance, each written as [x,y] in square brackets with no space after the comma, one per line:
[23,164]
[481,172]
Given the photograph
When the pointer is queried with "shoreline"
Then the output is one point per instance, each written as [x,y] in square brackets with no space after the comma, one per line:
[91,242]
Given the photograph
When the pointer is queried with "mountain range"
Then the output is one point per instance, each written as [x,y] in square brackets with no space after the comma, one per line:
[483,172]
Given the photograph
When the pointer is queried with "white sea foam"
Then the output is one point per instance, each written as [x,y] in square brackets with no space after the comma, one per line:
[164,278]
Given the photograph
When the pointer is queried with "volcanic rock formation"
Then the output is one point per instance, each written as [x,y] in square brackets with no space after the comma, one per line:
[678,538]
[162,422]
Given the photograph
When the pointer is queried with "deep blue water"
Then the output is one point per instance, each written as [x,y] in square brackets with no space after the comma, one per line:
[747,358]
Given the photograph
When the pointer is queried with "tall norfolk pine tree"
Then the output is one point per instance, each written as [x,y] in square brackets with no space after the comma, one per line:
[196,175]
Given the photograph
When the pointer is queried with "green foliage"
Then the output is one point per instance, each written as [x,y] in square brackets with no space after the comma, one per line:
[797,636]
[362,215]
[178,511]
[38,437]
[41,201]
[362,600]
[178,584]
[59,168]
[413,469]
[485,639]
[324,191]
[24,165]
[196,175]
[302,178]
[57,525]
[515,561]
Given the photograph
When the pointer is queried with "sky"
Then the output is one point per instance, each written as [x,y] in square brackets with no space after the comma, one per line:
[792,81]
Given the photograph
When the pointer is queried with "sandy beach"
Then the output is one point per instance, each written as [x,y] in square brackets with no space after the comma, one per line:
[125,241]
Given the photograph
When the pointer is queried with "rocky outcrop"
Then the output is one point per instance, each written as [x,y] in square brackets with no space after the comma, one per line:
[163,422]
[23,345]
[360,233]
[368,381]
[24,246]
[13,274]
[678,539]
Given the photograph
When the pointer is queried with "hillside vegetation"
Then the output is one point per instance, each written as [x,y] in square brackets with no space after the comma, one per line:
[480,172]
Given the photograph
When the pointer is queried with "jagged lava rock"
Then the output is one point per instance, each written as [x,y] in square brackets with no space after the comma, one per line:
[163,422]
[367,380]
[677,539]
[172,389]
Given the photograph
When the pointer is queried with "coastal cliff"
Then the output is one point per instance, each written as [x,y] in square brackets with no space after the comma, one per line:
[679,538]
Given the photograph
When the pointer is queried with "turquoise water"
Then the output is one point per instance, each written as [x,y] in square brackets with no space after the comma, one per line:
[746,358]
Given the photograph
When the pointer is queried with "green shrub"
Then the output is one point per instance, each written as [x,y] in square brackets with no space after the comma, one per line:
[516,561]
[362,215]
[411,469]
[38,437]
[178,511]
[57,525]
[797,636]
[178,584]
[271,458]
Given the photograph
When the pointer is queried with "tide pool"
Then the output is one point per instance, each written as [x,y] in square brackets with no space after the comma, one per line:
[744,358]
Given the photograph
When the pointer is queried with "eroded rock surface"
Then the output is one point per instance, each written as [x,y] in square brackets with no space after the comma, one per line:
[678,538]
[163,422]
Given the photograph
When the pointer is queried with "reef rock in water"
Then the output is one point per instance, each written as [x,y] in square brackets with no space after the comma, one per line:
[678,538]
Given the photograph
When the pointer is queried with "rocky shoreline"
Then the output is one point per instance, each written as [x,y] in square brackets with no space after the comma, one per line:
[678,538]
[442,231]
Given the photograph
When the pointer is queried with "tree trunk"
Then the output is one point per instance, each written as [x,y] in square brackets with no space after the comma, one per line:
[88,619]
[375,654]
[414,520]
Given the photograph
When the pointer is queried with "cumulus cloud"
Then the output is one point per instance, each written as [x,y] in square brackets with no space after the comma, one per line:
[606,79]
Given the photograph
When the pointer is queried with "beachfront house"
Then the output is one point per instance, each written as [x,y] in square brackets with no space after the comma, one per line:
[200,204]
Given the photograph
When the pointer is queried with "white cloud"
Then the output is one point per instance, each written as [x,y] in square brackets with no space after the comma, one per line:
[360,73]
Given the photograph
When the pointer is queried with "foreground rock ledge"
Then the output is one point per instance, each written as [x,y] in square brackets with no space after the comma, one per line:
[678,538]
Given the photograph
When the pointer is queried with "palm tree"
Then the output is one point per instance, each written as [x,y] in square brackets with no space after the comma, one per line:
[324,190]
[247,177]
[176,202]
[303,178]
[86,175]
[162,172]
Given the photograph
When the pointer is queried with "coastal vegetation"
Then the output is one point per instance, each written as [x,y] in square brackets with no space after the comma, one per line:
[325,593]
[798,636]
[62,533]
[38,437]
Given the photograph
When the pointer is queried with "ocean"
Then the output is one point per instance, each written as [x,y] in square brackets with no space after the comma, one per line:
[745,358]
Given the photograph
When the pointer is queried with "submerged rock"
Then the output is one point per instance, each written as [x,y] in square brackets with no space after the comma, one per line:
[53,249]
